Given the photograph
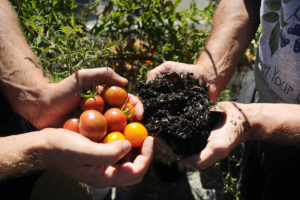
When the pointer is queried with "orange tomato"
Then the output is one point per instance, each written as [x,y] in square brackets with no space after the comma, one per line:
[113,136]
[115,96]
[130,110]
[135,133]
[149,62]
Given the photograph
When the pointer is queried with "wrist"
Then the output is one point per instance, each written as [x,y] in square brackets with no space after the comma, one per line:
[41,106]
[211,75]
[251,114]
[37,151]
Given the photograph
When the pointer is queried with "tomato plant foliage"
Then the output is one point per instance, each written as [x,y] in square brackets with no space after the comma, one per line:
[131,36]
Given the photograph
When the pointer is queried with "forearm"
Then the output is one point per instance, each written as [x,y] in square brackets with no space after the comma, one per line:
[21,80]
[276,123]
[234,25]
[20,154]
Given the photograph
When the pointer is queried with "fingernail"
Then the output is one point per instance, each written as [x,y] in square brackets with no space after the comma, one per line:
[126,145]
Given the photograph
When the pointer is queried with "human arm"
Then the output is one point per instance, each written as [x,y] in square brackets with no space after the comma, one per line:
[74,155]
[47,104]
[234,25]
[274,123]
[31,94]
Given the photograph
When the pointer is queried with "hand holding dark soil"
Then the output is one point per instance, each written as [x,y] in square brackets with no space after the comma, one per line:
[223,139]
[177,110]
[204,73]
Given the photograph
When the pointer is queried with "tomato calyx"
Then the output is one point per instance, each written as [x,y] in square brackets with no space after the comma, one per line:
[126,111]
[89,93]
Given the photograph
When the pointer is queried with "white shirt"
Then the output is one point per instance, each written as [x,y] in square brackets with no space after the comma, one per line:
[278,67]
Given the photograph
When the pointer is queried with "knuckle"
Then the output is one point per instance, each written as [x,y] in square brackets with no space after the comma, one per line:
[109,70]
[168,65]
[80,72]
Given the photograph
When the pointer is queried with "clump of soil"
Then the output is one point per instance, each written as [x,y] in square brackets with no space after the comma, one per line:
[177,110]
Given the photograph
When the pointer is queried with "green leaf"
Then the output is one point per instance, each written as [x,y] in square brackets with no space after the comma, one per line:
[274,39]
[55,16]
[41,31]
[273,5]
[286,1]
[72,21]
[270,17]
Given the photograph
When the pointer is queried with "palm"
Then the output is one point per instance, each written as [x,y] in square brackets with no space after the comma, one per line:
[223,139]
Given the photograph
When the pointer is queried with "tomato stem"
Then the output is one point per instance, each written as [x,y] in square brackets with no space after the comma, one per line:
[89,94]
[126,111]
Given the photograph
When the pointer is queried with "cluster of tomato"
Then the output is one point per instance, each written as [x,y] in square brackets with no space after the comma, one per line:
[108,117]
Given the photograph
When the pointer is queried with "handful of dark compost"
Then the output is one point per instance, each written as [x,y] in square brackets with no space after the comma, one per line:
[177,110]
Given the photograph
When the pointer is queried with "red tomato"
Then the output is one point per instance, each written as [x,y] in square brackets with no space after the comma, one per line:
[113,136]
[72,124]
[115,96]
[92,125]
[92,103]
[136,133]
[115,119]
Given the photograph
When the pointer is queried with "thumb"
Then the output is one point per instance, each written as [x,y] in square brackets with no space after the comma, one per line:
[109,153]
[202,160]
[99,76]
[206,158]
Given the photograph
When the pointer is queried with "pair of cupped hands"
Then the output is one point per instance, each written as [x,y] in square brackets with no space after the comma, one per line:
[95,163]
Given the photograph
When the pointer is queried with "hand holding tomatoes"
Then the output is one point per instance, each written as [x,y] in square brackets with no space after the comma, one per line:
[117,113]
[60,99]
[94,163]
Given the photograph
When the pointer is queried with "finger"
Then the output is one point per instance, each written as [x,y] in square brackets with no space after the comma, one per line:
[209,157]
[99,76]
[212,93]
[146,155]
[138,106]
[161,69]
[191,161]
[131,173]
[206,159]
[99,89]
[142,161]
[107,154]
